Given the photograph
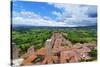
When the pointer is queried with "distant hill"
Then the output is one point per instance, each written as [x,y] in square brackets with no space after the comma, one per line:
[26,27]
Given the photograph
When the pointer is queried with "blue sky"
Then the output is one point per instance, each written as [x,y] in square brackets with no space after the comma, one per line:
[52,14]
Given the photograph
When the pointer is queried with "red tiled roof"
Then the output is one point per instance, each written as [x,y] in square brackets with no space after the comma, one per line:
[55,52]
[41,51]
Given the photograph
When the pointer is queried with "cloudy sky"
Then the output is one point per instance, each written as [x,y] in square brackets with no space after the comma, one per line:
[52,14]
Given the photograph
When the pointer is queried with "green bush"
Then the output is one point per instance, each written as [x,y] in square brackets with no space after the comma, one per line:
[93,53]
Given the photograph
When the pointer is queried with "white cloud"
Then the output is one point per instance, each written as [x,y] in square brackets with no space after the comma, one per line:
[75,14]
[30,18]
[56,13]
[73,10]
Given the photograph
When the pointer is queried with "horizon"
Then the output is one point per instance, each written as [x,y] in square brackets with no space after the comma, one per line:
[30,26]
